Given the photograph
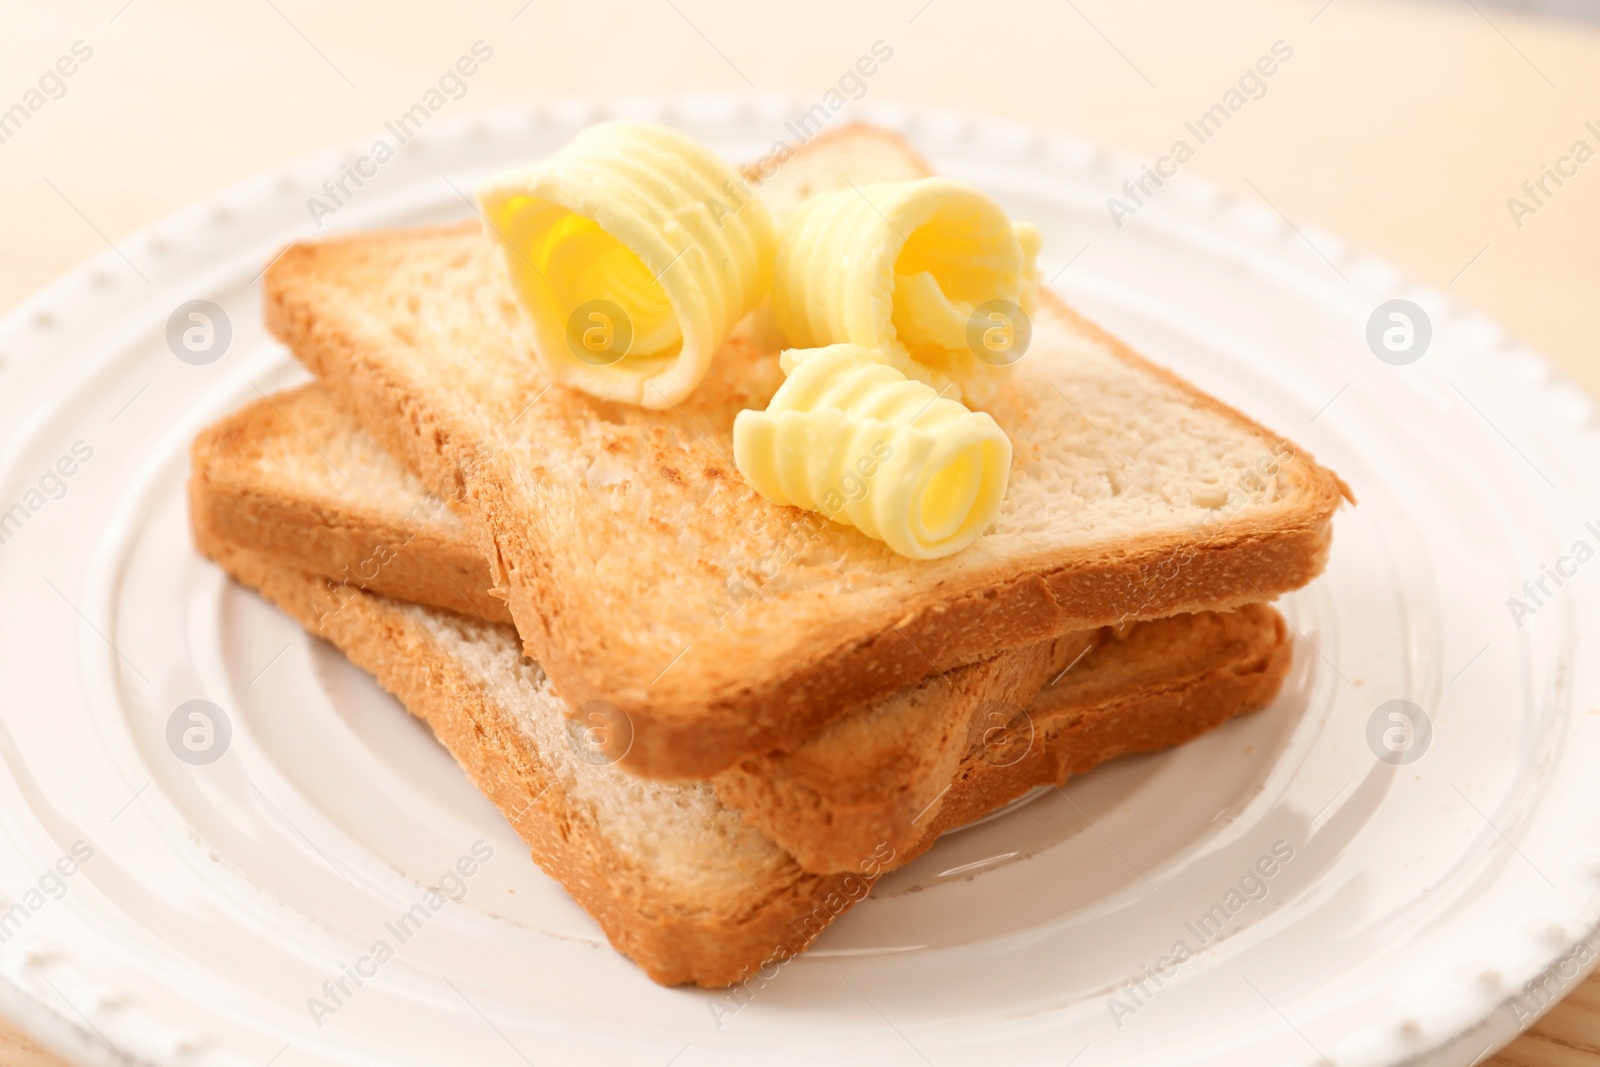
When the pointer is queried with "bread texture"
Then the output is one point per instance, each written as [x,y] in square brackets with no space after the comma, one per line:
[640,569]
[295,478]
[677,880]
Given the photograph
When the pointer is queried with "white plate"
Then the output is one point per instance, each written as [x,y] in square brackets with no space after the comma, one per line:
[1419,899]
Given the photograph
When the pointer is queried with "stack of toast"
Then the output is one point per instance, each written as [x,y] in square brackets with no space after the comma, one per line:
[786,708]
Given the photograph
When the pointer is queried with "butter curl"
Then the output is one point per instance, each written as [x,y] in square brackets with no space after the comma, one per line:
[930,274]
[855,439]
[633,252]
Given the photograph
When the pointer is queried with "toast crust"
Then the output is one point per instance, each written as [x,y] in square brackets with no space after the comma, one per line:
[1181,698]
[1112,694]
[732,655]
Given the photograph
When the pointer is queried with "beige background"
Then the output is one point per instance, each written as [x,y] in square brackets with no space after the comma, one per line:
[1402,127]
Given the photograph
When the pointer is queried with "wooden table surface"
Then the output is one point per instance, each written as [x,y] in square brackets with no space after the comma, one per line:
[1403,127]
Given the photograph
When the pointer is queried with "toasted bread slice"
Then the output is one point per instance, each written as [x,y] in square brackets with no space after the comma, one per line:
[641,569]
[294,477]
[675,878]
